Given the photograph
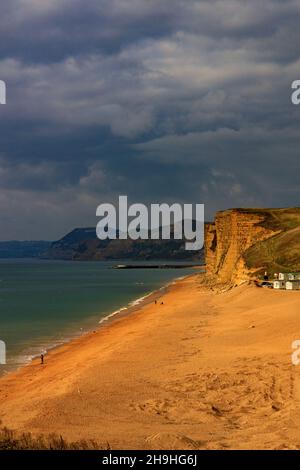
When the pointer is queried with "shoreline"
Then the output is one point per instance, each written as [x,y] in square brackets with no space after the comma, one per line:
[204,370]
[112,320]
[105,321]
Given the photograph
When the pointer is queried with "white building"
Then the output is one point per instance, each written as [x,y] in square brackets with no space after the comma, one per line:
[294,276]
[283,277]
[292,285]
[279,284]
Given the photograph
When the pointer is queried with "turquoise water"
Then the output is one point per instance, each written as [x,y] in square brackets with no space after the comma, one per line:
[45,303]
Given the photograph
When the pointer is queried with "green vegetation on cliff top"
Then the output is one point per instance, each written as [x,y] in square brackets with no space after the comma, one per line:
[280,252]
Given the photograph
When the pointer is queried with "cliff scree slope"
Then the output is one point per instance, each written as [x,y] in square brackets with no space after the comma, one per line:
[242,243]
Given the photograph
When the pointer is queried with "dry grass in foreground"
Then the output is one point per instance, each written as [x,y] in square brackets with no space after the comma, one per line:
[11,440]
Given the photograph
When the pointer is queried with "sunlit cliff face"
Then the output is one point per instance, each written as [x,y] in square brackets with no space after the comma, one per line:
[242,243]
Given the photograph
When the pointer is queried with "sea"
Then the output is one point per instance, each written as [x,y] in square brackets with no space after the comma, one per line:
[45,303]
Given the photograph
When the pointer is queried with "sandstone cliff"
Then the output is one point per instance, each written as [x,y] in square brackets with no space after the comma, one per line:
[242,242]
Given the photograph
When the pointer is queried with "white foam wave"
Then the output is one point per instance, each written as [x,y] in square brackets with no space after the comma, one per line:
[131,304]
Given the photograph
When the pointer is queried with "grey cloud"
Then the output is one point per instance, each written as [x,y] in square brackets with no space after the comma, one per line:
[249,166]
[52,30]
[161,99]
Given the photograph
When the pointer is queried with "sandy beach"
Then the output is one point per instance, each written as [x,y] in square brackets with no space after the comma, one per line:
[203,370]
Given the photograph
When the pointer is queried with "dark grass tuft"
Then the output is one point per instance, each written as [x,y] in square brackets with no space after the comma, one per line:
[12,440]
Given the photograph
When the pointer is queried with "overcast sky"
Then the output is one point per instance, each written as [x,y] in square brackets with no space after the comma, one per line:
[162,100]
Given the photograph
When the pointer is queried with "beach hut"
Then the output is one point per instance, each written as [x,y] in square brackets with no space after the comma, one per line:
[283,277]
[292,285]
[279,284]
[294,276]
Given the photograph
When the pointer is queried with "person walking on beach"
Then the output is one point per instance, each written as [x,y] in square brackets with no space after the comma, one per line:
[42,358]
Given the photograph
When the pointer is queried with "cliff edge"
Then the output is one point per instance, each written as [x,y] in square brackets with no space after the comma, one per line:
[241,243]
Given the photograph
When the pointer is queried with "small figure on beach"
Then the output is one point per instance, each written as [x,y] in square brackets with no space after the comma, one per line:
[161,303]
[42,358]
[155,301]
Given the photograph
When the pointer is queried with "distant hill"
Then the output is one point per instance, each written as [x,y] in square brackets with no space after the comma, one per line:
[23,249]
[83,244]
[245,242]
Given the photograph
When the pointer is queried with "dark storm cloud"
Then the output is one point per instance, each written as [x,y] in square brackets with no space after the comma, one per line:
[159,99]
[55,29]
[52,29]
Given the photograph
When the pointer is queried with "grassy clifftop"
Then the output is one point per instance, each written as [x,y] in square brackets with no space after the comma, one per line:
[280,252]
[241,243]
